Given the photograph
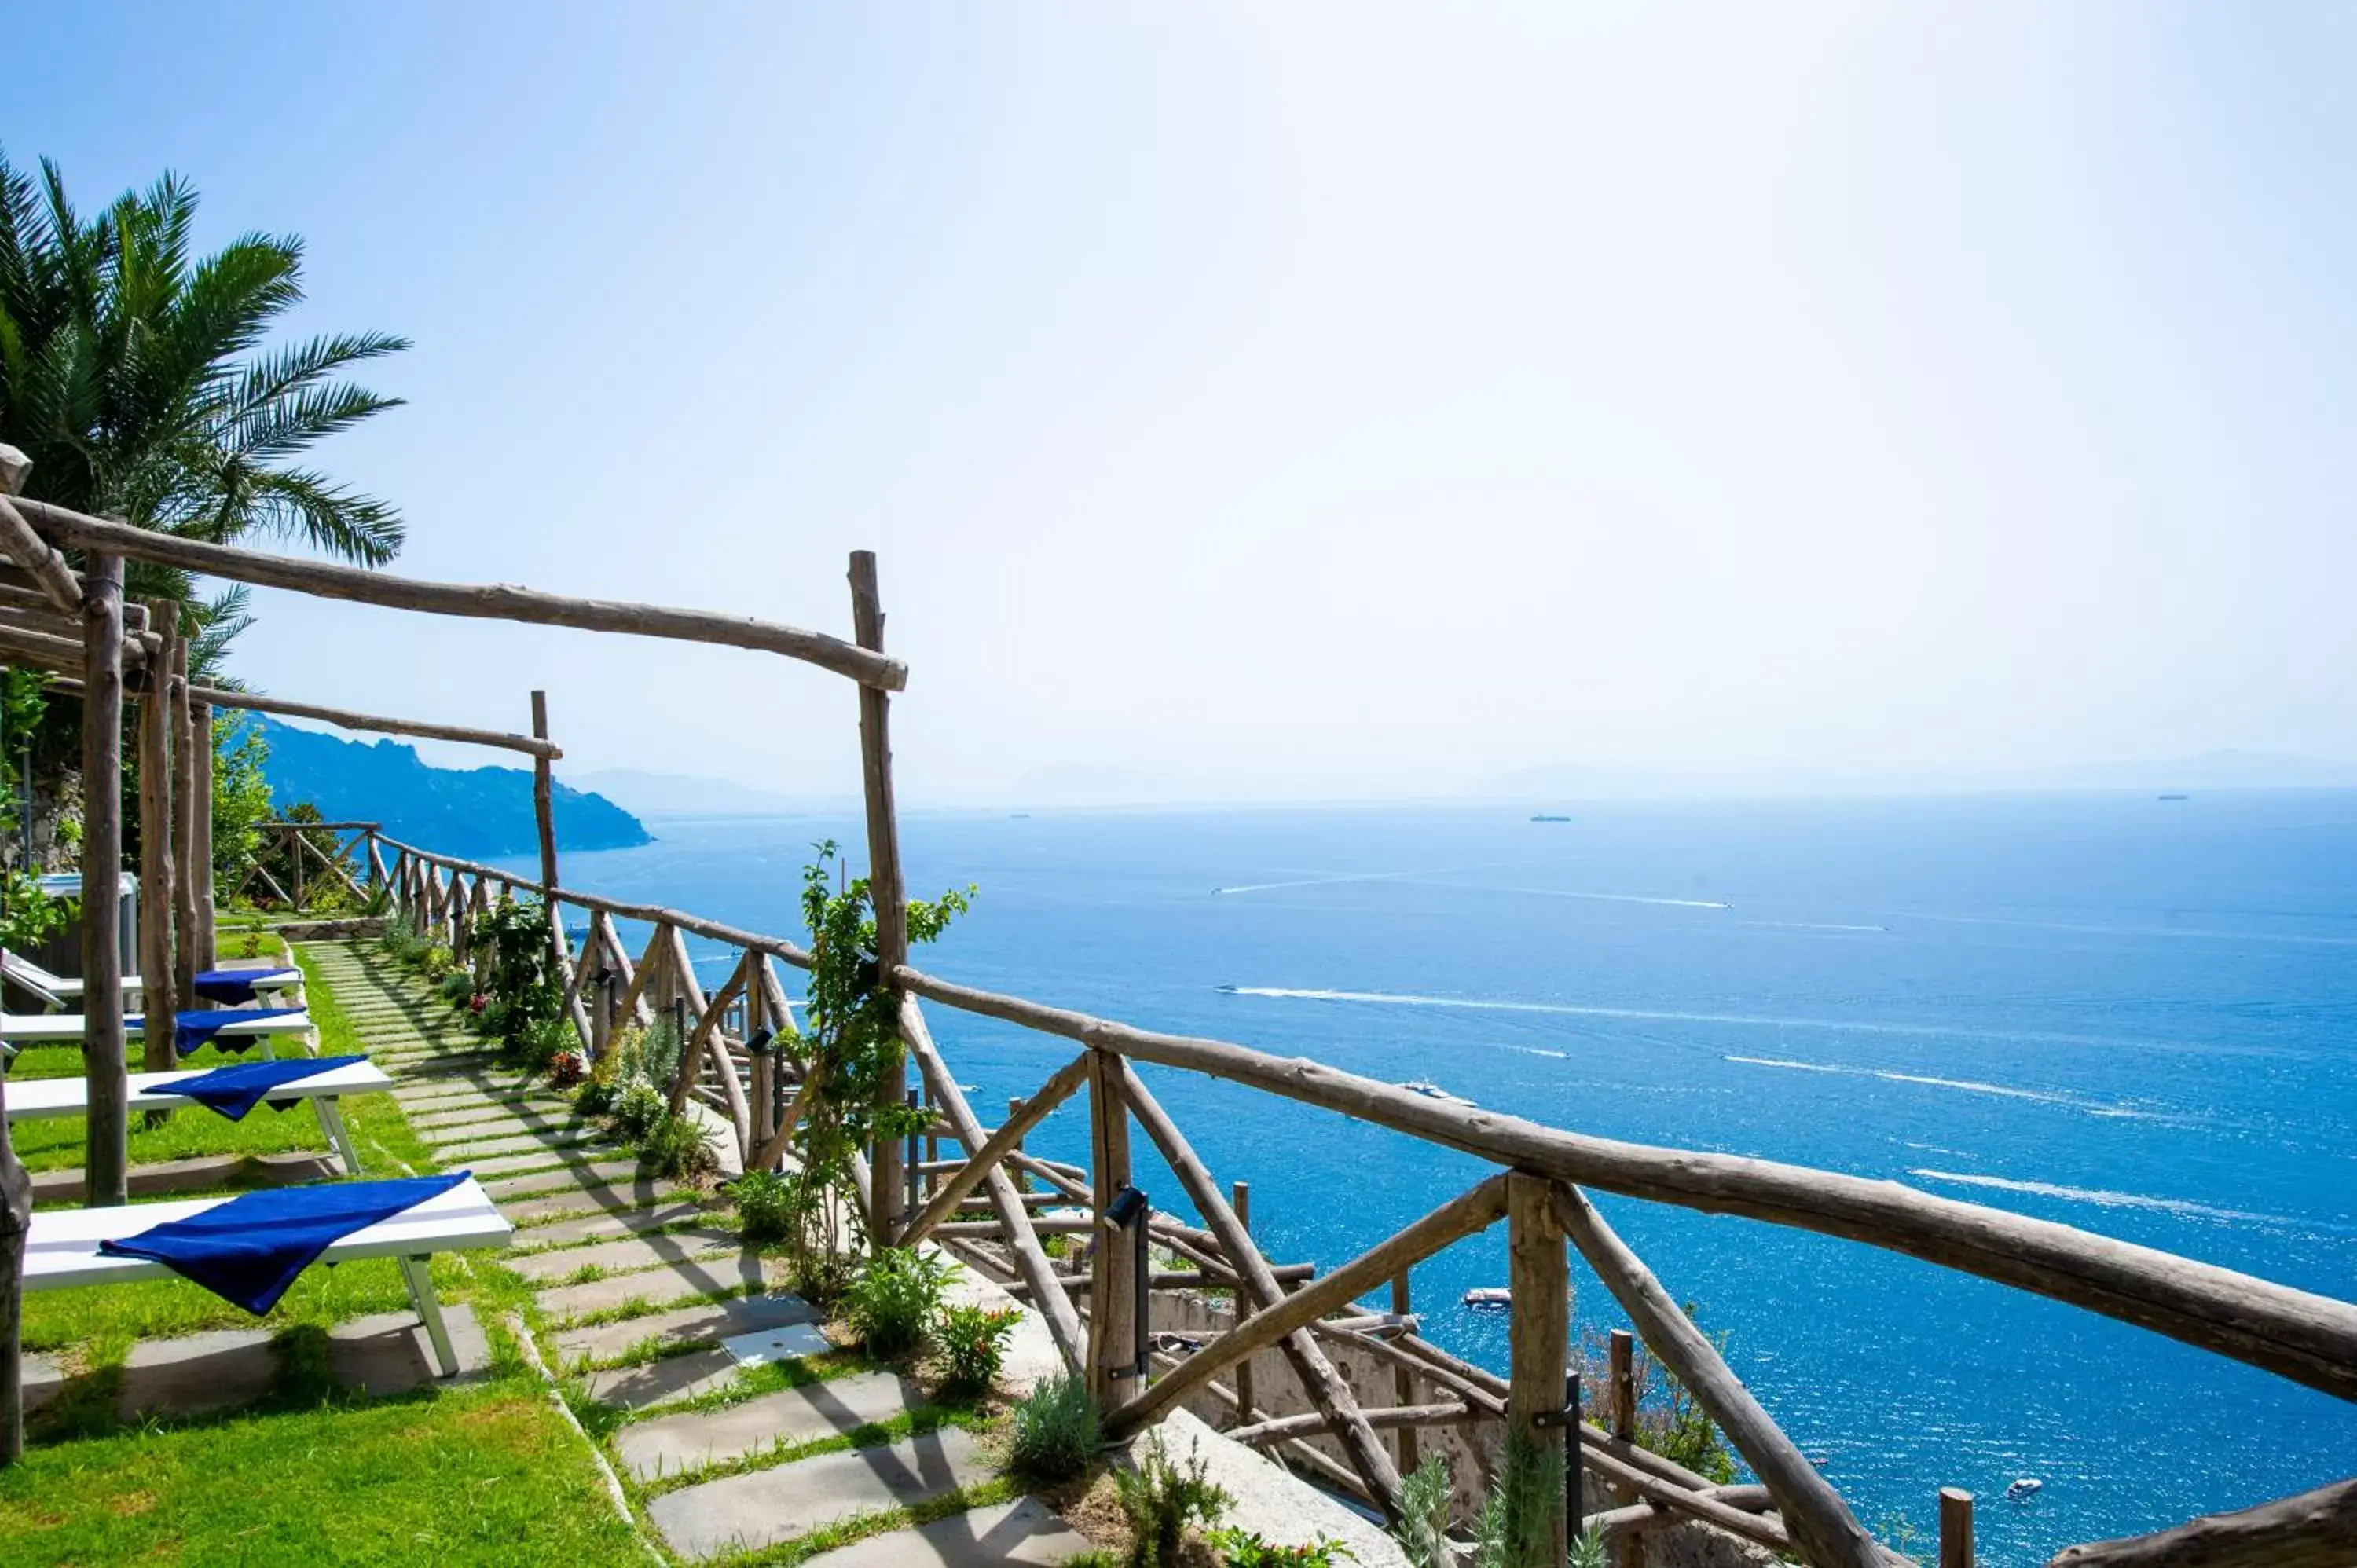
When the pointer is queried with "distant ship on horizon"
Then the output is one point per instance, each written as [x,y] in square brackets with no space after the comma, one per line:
[1544,817]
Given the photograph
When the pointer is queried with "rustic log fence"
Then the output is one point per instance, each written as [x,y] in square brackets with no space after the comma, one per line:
[1538,1188]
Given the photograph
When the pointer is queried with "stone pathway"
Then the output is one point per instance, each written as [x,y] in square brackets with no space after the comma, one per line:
[640,1289]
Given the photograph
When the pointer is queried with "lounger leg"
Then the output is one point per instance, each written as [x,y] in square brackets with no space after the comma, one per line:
[429,1310]
[331,1122]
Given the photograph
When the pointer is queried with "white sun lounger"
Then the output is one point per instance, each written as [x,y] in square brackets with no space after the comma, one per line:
[61,1247]
[30,1097]
[55,993]
[54,1028]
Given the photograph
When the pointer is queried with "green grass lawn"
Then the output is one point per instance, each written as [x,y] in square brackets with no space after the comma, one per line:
[489,1473]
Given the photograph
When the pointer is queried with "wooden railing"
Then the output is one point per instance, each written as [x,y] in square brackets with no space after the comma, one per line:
[297,861]
[1539,1190]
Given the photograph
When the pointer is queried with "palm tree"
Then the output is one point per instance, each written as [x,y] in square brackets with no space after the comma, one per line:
[136,380]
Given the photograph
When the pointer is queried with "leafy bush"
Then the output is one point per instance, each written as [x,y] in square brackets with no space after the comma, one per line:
[894,1300]
[974,1346]
[766,1203]
[1423,1528]
[457,988]
[638,1110]
[565,1070]
[1588,1550]
[1246,1548]
[436,963]
[1515,1528]
[1162,1501]
[1054,1431]
[545,1042]
[678,1148]
[514,944]
[1668,1420]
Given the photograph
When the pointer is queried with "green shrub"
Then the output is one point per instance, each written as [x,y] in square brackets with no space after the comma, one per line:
[767,1206]
[543,1041]
[457,988]
[1515,1528]
[1054,1431]
[1423,1528]
[637,1112]
[1588,1550]
[678,1149]
[1246,1548]
[1162,1501]
[974,1348]
[894,1300]
[436,963]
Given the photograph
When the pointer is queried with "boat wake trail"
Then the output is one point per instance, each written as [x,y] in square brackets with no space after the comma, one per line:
[1738,1020]
[1326,881]
[2183,1207]
[1967,1085]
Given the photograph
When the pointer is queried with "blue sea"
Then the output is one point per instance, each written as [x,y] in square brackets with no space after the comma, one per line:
[2132,1015]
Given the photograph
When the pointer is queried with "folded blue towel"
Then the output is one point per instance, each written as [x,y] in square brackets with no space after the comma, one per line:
[234,1091]
[250,1249]
[237,984]
[193,1031]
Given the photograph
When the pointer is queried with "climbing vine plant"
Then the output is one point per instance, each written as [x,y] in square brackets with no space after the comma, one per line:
[852,1036]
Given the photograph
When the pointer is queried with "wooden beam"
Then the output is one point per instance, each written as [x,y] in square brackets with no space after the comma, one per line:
[2309,1339]
[543,790]
[962,1182]
[1014,1220]
[157,897]
[1113,1255]
[28,549]
[1462,1216]
[499,601]
[187,756]
[1822,1529]
[107,1132]
[2314,1529]
[1257,1284]
[1311,1423]
[344,719]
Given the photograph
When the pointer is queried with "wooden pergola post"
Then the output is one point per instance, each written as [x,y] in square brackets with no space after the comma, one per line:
[1538,1329]
[15,1185]
[158,901]
[1112,1254]
[185,750]
[106,1150]
[884,887]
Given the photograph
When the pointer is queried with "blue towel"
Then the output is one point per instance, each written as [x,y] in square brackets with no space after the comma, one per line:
[193,1031]
[236,984]
[234,1091]
[250,1249]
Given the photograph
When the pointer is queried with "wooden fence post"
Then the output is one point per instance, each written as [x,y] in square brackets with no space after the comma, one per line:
[107,1153]
[1629,1552]
[1403,1381]
[1538,1327]
[884,886]
[1239,1199]
[1113,1260]
[200,841]
[543,797]
[157,899]
[185,778]
[1955,1528]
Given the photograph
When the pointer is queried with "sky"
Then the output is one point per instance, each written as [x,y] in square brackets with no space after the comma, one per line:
[1301,402]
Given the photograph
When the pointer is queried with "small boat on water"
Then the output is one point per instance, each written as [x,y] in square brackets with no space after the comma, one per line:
[2177,796]
[2022,1490]
[1488,1297]
[1548,817]
[1431,1090]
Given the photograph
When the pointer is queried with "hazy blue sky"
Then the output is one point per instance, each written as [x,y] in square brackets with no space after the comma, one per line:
[1274,400]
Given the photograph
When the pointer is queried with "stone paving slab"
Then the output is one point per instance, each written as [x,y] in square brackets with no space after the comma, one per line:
[658,1288]
[835,1408]
[1024,1531]
[601,1227]
[659,1383]
[706,1321]
[389,1353]
[519,1144]
[485,1108]
[631,1253]
[568,1158]
[589,1198]
[588,1176]
[763,1508]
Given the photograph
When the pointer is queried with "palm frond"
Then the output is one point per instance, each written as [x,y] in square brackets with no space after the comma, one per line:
[297,503]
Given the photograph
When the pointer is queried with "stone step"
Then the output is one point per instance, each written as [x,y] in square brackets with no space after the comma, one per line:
[574,1159]
[548,1129]
[705,1323]
[466,1151]
[739,1271]
[572,1233]
[586,1199]
[669,1445]
[1024,1531]
[588,1177]
[661,1382]
[548,1108]
[624,1256]
[764,1508]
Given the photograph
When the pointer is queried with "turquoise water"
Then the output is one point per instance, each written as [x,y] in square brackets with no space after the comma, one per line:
[2124,1015]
